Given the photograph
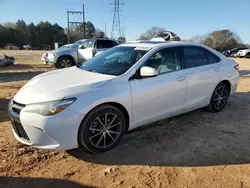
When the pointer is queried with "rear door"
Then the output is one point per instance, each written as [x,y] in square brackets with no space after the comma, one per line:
[203,72]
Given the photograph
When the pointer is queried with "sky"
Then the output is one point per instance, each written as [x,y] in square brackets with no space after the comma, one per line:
[186,18]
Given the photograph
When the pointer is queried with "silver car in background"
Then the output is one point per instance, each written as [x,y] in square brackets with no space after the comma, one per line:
[43,58]
[78,52]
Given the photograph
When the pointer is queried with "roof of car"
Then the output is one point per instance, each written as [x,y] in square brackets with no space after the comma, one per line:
[96,39]
[152,44]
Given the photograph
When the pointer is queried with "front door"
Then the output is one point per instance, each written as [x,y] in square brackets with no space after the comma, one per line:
[157,97]
[85,50]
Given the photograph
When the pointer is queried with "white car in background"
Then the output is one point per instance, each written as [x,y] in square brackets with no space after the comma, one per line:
[94,104]
[244,53]
[27,47]
[165,36]
[43,58]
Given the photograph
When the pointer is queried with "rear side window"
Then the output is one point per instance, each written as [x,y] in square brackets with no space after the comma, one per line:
[105,44]
[195,56]
[212,58]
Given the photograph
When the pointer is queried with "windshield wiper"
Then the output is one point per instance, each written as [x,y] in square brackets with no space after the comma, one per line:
[90,70]
[79,65]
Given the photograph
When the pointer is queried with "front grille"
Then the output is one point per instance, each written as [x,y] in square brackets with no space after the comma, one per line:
[18,128]
[17,107]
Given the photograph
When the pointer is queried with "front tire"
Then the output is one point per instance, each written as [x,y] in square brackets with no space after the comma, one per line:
[219,98]
[102,129]
[64,62]
[248,55]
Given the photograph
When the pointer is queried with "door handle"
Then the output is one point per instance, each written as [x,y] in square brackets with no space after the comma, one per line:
[216,70]
[182,78]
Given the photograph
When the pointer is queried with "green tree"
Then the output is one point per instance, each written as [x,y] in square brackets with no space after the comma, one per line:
[99,33]
[22,32]
[32,35]
[40,36]
[89,30]
[121,39]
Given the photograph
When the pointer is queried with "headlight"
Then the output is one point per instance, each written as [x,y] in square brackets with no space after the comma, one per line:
[49,108]
[51,56]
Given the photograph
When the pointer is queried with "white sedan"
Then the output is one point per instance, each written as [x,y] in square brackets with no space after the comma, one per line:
[94,104]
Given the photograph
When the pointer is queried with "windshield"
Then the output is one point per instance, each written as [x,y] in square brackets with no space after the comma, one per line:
[86,43]
[114,61]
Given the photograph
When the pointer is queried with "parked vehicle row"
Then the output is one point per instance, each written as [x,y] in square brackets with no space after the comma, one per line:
[237,52]
[94,104]
[243,53]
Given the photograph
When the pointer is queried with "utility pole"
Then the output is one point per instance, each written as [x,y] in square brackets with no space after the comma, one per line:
[116,27]
[71,22]
[105,30]
[68,27]
[83,20]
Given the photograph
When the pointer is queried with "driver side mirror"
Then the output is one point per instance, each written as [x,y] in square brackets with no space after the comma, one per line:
[148,72]
[81,47]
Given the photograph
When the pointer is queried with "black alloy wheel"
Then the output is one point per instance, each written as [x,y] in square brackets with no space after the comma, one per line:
[102,129]
[219,98]
[65,62]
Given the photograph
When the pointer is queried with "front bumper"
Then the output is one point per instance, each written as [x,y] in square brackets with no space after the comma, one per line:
[57,132]
[50,62]
[241,54]
[44,61]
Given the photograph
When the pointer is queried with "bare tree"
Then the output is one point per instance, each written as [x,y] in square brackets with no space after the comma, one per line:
[151,32]
[197,38]
[223,39]
[219,39]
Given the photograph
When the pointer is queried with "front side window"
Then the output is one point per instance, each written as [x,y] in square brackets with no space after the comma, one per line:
[195,56]
[166,60]
[89,43]
[114,61]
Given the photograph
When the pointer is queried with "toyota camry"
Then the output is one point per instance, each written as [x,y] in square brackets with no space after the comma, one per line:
[94,104]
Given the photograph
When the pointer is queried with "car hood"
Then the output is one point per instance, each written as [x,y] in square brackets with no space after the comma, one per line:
[55,85]
[246,50]
[67,50]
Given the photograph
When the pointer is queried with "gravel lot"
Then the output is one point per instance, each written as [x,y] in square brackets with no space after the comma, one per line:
[197,149]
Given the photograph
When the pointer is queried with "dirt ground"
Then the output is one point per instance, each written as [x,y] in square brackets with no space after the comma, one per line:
[198,149]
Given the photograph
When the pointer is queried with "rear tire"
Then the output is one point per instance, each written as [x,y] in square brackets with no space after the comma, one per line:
[219,98]
[102,129]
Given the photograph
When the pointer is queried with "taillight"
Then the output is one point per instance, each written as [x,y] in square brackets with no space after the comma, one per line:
[237,67]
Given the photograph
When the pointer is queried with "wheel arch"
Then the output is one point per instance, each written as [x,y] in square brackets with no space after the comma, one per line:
[117,105]
[248,55]
[66,55]
[227,82]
